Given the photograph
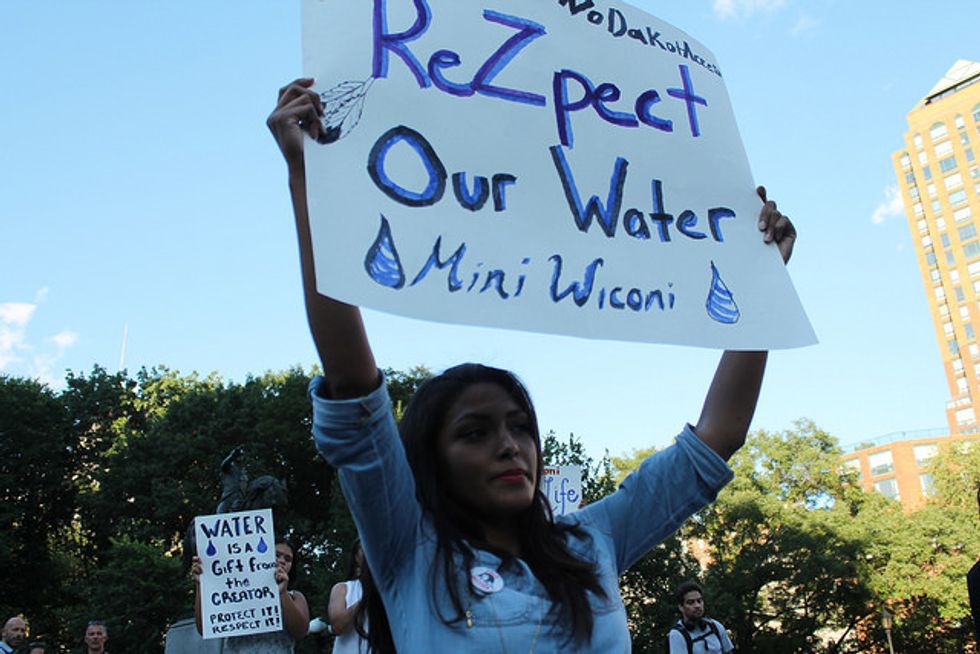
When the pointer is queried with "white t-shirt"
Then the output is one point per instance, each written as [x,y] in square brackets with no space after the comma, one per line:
[351,642]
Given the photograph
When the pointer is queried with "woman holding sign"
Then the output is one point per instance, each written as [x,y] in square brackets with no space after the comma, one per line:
[464,550]
[295,611]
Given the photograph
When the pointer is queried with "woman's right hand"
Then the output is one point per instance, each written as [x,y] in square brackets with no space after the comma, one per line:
[298,110]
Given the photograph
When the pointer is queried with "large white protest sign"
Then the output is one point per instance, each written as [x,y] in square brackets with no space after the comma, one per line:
[239,594]
[562,485]
[562,166]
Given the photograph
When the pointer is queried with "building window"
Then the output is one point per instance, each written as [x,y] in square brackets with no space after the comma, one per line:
[970,336]
[914,192]
[947,164]
[969,154]
[962,214]
[966,416]
[924,453]
[936,206]
[855,465]
[964,138]
[976,114]
[888,488]
[967,232]
[917,139]
[927,484]
[958,365]
[958,197]
[974,352]
[926,173]
[965,312]
[950,259]
[959,293]
[948,328]
[944,149]
[953,181]
[931,258]
[924,158]
[940,292]
[931,190]
[905,160]
[944,238]
[954,347]
[959,122]
[910,178]
[934,274]
[881,463]
[938,131]
[940,223]
[922,225]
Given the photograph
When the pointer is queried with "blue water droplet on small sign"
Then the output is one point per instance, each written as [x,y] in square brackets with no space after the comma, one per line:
[721,304]
[382,262]
[211,551]
[262,547]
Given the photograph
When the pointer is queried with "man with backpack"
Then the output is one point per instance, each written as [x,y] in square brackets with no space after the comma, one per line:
[694,633]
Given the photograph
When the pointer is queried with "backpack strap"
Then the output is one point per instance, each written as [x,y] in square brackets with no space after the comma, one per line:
[680,628]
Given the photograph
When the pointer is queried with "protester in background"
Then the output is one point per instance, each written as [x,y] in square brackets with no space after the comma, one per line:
[13,635]
[694,633]
[348,619]
[96,635]
[454,526]
[295,611]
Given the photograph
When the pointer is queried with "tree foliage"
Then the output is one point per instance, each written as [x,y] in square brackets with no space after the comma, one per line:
[98,483]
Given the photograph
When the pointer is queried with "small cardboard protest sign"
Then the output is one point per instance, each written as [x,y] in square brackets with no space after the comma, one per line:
[562,485]
[559,166]
[239,594]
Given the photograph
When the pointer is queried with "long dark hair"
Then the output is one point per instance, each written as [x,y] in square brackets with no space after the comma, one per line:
[566,577]
[370,619]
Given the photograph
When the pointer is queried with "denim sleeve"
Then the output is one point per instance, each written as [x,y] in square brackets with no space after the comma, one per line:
[359,437]
[655,500]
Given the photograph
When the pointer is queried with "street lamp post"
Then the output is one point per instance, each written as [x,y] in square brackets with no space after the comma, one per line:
[887,620]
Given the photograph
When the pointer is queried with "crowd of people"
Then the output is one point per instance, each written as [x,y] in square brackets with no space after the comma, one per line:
[14,638]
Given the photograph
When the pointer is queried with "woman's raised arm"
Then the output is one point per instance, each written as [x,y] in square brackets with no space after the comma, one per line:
[337,328]
[734,392]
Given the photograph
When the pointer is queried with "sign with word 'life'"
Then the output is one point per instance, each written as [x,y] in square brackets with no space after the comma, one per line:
[239,594]
[562,485]
[560,166]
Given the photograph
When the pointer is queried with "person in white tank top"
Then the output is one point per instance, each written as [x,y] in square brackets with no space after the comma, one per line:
[344,611]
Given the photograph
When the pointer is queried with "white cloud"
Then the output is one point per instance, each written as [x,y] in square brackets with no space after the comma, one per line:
[805,23]
[14,317]
[64,339]
[891,206]
[16,314]
[18,356]
[733,8]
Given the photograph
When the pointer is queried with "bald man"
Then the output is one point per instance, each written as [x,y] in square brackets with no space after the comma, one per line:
[14,634]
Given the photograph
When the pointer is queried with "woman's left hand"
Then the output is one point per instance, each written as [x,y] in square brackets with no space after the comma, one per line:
[775,227]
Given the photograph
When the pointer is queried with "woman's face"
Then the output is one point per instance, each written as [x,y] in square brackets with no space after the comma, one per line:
[284,557]
[486,448]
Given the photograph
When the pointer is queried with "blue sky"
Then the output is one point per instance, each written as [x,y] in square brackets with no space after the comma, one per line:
[140,188]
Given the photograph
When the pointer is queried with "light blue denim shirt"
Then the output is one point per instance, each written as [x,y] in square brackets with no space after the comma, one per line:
[359,437]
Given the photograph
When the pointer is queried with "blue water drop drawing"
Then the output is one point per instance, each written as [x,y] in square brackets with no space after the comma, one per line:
[262,547]
[382,262]
[211,551]
[721,305]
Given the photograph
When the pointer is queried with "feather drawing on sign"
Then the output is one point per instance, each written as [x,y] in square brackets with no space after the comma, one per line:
[382,262]
[342,106]
[721,305]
